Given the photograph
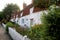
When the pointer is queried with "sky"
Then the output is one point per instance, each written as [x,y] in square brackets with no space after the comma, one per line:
[3,3]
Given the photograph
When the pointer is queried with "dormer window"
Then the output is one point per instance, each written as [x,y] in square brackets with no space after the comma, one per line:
[21,14]
[31,10]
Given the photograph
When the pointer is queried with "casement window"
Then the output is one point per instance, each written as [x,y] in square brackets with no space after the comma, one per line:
[17,20]
[22,20]
[26,19]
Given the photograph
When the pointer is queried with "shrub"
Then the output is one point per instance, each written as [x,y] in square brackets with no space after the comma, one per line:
[16,25]
[21,30]
[45,3]
[42,3]
[52,21]
[9,24]
[37,32]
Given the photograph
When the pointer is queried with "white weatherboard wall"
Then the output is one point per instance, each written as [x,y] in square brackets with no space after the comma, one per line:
[16,36]
[35,16]
[26,21]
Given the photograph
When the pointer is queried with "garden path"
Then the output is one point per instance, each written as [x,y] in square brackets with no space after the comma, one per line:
[3,34]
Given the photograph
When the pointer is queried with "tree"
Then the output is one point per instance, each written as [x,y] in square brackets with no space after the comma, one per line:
[55,2]
[41,3]
[9,9]
[45,3]
[1,16]
[52,22]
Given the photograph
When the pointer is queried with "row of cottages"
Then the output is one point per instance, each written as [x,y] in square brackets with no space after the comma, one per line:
[29,16]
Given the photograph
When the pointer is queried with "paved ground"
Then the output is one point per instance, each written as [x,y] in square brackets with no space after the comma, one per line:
[4,35]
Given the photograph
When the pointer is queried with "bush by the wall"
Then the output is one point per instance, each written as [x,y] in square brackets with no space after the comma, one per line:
[9,24]
[38,32]
[52,21]
[21,30]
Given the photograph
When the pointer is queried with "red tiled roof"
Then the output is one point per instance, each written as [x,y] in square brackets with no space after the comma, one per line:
[26,11]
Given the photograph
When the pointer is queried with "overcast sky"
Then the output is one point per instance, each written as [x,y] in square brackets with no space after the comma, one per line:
[18,2]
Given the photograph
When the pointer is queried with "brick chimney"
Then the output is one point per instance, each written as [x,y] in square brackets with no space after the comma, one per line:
[24,5]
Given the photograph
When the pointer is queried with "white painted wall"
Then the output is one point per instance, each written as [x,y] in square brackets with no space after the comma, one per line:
[36,18]
[16,36]
[26,21]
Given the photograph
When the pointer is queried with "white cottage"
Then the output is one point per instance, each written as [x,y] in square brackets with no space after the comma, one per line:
[30,16]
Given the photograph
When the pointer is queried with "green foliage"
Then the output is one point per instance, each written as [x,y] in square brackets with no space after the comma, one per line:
[41,3]
[16,25]
[21,30]
[51,21]
[9,24]
[45,3]
[9,9]
[37,32]
[54,1]
[1,16]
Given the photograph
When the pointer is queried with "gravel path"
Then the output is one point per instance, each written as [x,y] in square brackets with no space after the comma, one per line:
[4,35]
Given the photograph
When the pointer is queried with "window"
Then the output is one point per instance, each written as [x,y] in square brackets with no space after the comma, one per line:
[26,19]
[22,20]
[17,20]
